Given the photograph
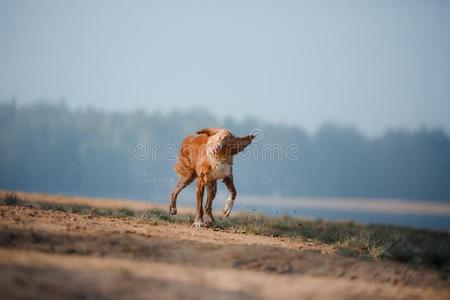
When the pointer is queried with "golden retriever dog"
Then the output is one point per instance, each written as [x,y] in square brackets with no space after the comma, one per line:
[207,156]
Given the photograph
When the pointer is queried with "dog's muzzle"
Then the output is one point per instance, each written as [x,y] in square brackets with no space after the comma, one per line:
[217,148]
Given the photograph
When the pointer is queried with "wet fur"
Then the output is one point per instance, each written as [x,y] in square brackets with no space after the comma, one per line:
[207,156]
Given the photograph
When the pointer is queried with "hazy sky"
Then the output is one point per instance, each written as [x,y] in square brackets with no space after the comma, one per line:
[374,64]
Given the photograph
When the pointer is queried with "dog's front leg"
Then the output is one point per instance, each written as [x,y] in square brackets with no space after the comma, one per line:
[230,200]
[211,193]
[198,222]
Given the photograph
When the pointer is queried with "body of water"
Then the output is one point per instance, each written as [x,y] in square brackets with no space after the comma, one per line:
[417,214]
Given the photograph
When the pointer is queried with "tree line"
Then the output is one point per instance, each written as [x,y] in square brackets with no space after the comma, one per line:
[51,148]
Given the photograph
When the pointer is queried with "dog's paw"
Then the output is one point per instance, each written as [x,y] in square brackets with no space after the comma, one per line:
[209,220]
[228,206]
[173,210]
[199,224]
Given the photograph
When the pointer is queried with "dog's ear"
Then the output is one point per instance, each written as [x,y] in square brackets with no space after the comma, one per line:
[208,131]
[240,144]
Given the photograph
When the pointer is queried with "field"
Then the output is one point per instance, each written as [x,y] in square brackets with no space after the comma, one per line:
[57,247]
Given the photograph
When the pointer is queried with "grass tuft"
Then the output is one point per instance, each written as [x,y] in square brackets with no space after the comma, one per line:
[125,212]
[11,199]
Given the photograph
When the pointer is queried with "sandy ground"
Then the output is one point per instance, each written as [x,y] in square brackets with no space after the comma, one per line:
[57,255]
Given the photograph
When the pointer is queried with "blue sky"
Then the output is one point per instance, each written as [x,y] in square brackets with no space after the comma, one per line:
[372,64]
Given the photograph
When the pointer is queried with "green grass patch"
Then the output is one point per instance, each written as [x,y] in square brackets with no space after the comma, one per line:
[11,199]
[407,245]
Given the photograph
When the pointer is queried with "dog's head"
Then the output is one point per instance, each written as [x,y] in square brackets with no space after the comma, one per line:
[222,143]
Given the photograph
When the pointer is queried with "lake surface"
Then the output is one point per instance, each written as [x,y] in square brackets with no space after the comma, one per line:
[417,214]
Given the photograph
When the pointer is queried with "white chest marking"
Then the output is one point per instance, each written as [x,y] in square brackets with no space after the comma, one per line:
[220,170]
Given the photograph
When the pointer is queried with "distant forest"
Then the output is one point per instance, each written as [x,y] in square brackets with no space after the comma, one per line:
[50,148]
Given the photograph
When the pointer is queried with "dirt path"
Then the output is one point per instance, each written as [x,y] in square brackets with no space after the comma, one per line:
[54,255]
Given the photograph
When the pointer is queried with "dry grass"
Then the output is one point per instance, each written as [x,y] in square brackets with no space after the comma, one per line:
[372,242]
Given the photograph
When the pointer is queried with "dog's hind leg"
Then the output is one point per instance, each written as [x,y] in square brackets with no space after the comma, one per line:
[230,200]
[211,194]
[182,183]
